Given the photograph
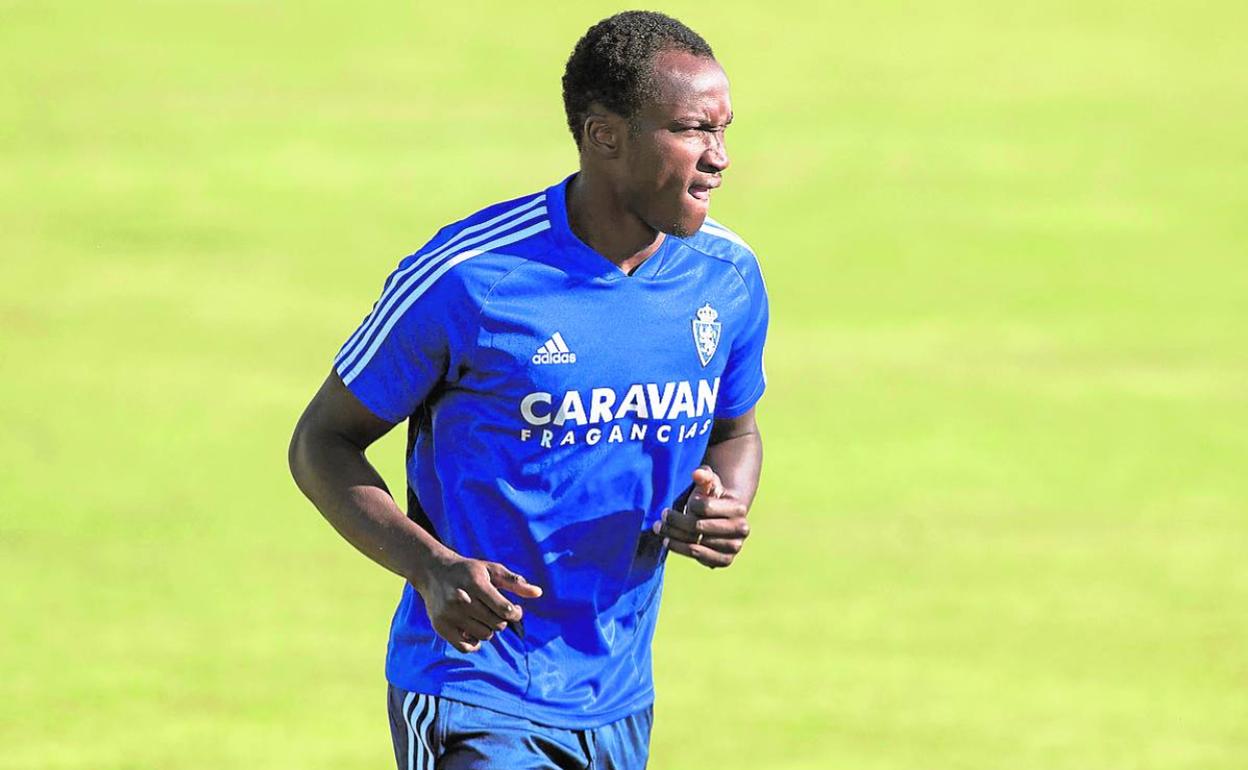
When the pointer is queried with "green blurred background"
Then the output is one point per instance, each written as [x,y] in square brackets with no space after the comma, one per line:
[1004,515]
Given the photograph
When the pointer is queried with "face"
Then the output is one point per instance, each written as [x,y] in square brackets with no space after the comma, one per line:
[673,157]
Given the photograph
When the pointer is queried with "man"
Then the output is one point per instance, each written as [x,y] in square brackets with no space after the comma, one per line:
[578,369]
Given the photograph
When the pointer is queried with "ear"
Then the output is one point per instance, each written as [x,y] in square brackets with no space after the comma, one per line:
[602,132]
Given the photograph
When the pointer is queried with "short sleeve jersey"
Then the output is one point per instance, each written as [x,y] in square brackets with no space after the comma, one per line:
[556,407]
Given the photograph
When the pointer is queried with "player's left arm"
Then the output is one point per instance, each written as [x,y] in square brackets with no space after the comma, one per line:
[712,527]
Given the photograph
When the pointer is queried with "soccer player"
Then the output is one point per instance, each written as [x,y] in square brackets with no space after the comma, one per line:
[578,369]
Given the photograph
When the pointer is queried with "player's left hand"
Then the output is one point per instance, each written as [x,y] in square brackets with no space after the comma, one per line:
[712,528]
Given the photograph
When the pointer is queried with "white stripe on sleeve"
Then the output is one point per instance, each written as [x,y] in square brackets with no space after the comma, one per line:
[398,282]
[392,318]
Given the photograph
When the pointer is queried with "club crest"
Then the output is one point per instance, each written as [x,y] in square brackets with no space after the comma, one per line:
[706,332]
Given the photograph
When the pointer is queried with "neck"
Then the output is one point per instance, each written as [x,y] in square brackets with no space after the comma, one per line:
[599,218]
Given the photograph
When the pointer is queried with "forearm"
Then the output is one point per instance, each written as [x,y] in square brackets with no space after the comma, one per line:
[738,461]
[338,479]
[709,522]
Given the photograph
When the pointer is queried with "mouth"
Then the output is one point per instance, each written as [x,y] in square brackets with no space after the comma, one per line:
[702,192]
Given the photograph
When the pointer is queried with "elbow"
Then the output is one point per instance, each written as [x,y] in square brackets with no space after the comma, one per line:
[297,451]
[302,457]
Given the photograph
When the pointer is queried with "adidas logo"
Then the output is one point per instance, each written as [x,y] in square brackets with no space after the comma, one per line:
[555,351]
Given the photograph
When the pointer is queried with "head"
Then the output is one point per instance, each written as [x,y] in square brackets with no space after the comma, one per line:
[648,106]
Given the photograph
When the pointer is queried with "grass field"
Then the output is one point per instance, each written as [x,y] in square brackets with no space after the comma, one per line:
[1004,517]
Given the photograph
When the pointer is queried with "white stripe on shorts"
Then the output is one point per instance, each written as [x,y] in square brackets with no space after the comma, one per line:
[418,718]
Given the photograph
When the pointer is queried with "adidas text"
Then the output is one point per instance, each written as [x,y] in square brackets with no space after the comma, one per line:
[544,357]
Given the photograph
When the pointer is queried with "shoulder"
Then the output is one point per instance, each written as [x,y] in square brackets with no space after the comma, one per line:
[469,255]
[717,241]
[719,238]
[501,228]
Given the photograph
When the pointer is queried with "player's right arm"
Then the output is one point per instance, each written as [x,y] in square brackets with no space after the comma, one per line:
[328,463]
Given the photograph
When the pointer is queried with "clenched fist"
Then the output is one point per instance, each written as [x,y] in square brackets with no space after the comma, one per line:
[464,602]
[712,527]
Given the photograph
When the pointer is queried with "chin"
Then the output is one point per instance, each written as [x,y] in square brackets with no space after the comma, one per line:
[681,220]
[687,225]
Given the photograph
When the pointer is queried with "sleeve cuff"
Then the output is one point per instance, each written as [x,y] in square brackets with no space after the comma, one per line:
[743,406]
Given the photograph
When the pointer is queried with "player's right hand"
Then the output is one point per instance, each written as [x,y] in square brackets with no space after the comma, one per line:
[464,603]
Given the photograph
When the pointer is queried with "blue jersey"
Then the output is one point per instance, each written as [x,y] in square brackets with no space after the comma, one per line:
[556,407]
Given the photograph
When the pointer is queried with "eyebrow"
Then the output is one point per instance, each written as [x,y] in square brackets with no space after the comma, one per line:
[698,119]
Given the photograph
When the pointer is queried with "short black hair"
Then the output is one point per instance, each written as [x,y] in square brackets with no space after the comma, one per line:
[611,64]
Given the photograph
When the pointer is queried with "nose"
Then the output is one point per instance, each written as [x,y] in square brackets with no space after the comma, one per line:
[715,159]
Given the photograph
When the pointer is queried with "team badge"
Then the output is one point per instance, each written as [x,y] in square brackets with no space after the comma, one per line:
[706,332]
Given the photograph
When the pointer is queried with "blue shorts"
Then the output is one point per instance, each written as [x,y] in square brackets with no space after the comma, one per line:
[432,732]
